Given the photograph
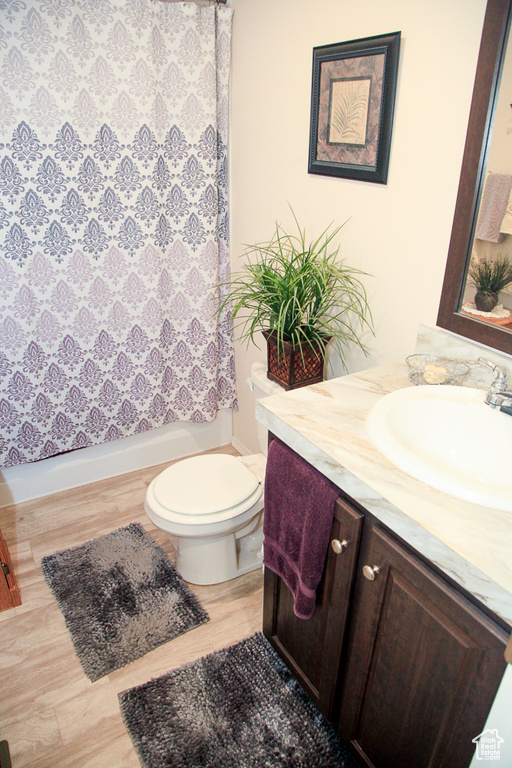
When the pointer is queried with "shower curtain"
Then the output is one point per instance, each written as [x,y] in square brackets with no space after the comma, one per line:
[113,220]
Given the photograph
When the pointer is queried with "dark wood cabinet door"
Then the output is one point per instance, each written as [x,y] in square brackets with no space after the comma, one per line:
[9,593]
[311,648]
[423,664]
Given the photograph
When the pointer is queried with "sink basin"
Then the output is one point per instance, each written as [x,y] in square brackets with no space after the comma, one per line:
[450,439]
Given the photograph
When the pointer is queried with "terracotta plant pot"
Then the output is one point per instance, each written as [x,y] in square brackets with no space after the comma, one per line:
[486,300]
[294,366]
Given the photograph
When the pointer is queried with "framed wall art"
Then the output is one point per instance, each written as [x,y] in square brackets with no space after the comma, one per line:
[352,105]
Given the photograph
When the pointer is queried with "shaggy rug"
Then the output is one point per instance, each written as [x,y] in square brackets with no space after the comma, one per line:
[121,597]
[237,708]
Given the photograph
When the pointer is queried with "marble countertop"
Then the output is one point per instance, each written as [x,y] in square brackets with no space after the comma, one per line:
[325,424]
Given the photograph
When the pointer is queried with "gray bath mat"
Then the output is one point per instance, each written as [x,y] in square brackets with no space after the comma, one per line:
[121,597]
[237,708]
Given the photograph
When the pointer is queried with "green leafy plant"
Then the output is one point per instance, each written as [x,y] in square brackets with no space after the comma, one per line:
[491,275]
[299,291]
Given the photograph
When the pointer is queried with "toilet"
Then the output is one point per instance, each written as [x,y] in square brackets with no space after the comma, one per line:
[213,504]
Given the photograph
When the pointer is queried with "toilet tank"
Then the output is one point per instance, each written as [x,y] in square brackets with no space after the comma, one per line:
[262,387]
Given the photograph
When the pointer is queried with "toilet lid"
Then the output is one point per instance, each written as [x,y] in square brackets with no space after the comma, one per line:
[203,485]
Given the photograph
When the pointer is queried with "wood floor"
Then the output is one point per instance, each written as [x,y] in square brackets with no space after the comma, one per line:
[50,713]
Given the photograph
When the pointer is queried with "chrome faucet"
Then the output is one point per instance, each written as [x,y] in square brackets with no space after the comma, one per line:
[497,396]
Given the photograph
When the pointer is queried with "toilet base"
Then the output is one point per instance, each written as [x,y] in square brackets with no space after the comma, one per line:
[212,560]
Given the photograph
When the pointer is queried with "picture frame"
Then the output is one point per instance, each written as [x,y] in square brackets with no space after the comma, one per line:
[352,106]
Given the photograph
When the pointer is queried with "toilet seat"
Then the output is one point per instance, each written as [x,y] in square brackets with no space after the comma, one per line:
[203,490]
[212,506]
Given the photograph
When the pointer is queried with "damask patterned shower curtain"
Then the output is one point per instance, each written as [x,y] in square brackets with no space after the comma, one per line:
[113,220]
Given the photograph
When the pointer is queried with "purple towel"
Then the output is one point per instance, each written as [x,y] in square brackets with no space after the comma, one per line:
[299,510]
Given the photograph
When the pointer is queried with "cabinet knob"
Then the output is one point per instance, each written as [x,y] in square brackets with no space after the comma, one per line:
[370,572]
[338,546]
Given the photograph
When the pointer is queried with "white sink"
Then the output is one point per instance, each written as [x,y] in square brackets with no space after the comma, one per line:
[448,438]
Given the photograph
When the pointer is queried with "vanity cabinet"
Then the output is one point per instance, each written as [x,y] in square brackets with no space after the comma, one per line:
[422,664]
[403,664]
[312,648]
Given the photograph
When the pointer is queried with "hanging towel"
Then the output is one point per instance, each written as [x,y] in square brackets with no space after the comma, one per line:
[299,510]
[496,195]
[506,224]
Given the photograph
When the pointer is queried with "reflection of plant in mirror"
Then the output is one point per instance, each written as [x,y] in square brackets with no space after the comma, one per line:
[491,275]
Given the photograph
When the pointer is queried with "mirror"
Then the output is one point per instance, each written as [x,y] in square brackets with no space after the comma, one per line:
[457,288]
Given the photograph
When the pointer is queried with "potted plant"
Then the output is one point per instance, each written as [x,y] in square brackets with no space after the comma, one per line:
[301,296]
[489,277]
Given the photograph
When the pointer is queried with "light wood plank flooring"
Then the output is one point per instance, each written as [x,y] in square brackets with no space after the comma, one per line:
[50,713]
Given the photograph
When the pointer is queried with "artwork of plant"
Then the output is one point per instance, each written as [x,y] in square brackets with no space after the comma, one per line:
[349,111]
[352,103]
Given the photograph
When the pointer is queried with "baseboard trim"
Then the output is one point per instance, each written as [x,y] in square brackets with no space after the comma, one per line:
[240,447]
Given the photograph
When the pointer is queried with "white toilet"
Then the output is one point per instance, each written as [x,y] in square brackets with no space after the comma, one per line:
[214,505]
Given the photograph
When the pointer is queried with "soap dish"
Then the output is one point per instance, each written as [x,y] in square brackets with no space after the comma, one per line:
[432,369]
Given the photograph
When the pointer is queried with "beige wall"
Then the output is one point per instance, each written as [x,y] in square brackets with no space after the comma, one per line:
[398,232]
[500,149]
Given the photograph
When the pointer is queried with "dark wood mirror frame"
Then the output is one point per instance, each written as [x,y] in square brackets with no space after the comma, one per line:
[485,94]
